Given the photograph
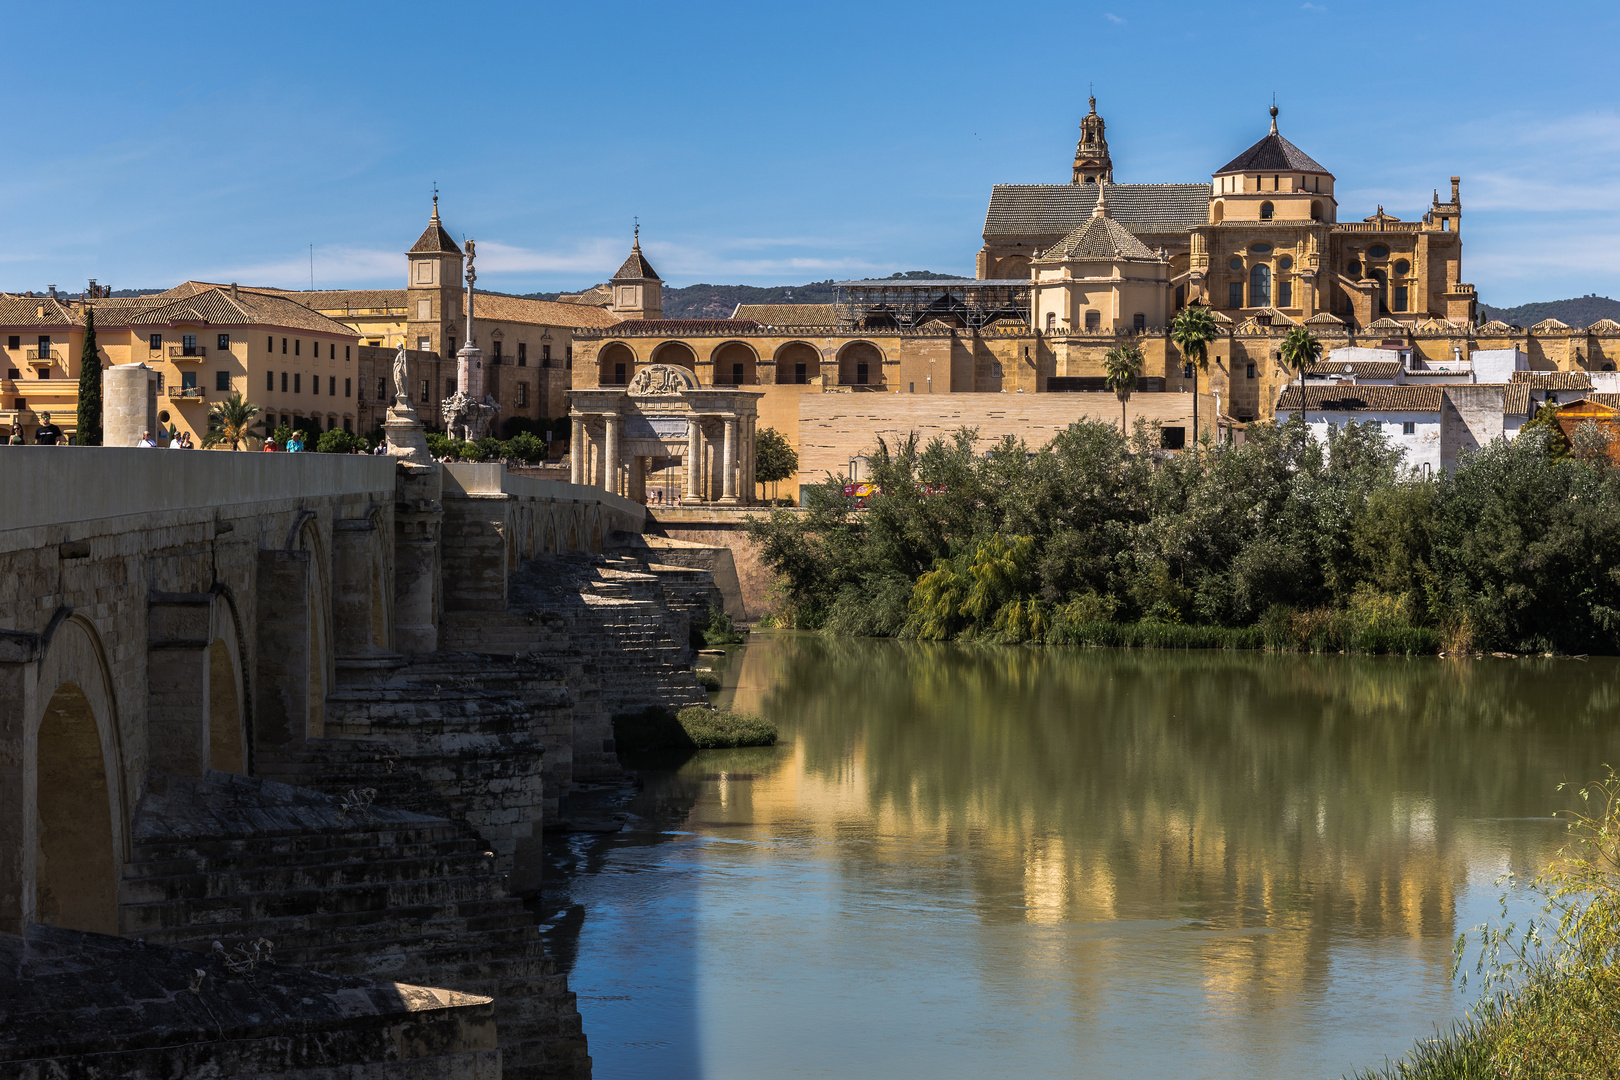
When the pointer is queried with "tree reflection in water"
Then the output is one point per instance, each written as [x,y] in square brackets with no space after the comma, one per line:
[1298,817]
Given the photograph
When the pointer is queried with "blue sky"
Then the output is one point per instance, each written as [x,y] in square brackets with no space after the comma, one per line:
[764,143]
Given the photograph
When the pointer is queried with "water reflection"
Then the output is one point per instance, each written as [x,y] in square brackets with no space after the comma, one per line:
[1104,863]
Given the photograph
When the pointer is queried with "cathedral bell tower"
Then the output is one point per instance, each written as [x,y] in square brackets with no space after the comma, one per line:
[1091,162]
[638,291]
[433,291]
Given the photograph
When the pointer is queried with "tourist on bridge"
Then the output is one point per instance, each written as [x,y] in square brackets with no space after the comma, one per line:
[47,434]
[146,441]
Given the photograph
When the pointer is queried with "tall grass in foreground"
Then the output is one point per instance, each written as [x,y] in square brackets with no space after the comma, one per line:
[1551,1009]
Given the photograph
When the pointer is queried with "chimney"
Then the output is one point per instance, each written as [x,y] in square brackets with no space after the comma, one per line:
[51,291]
[233,290]
[40,311]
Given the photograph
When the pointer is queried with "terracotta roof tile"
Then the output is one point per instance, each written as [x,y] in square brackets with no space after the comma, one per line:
[518,309]
[1362,399]
[1554,380]
[788,314]
[1361,369]
[1271,154]
[694,327]
[1516,401]
[23,311]
[636,266]
[1100,238]
[1039,210]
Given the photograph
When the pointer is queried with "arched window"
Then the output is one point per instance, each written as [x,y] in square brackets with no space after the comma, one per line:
[1093,320]
[1316,210]
[1216,212]
[1267,211]
[1051,321]
[1260,285]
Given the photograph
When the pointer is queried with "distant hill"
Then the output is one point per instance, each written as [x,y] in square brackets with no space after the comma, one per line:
[719,301]
[1581,311]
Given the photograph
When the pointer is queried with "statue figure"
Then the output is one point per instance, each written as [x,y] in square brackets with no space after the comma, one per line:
[402,378]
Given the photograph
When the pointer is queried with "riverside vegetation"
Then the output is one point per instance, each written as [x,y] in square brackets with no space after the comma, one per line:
[1552,984]
[657,730]
[1280,543]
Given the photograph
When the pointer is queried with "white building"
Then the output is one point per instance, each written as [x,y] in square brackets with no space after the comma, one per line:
[1433,424]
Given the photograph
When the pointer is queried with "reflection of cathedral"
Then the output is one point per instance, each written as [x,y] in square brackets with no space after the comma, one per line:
[1264,234]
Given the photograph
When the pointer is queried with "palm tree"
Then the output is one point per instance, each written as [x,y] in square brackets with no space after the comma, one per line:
[229,422]
[1121,365]
[1192,330]
[1300,349]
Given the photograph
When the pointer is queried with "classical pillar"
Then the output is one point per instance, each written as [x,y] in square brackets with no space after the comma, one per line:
[579,451]
[694,459]
[418,517]
[728,467]
[610,454]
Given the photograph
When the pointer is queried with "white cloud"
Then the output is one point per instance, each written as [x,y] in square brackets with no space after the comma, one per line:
[1313,7]
[1115,19]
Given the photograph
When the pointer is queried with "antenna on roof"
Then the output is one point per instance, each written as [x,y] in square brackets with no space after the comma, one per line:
[312,268]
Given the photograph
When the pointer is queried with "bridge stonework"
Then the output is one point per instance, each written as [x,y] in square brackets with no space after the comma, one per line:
[315,708]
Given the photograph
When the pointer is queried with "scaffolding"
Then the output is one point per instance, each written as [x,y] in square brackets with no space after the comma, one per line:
[901,304]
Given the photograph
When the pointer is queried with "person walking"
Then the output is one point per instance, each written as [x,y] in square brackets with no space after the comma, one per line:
[47,434]
[147,442]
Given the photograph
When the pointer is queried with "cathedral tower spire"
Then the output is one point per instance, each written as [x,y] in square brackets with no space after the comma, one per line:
[1091,162]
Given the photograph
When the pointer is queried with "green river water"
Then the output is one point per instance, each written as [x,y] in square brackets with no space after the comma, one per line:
[971,862]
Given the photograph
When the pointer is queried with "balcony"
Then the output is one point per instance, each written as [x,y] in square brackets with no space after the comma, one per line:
[187,352]
[44,356]
[186,393]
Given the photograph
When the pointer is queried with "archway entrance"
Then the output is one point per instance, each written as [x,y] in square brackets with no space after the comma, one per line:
[224,712]
[75,879]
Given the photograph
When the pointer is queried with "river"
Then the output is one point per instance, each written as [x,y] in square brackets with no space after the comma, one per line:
[970,862]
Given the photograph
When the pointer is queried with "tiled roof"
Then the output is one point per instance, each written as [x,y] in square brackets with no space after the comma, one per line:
[1554,380]
[682,327]
[216,307]
[636,266]
[1605,326]
[1039,210]
[595,296]
[1323,318]
[1361,369]
[1271,154]
[1387,325]
[518,309]
[788,314]
[1100,238]
[434,239]
[1516,401]
[25,311]
[1495,324]
[1611,400]
[1362,399]
[1549,324]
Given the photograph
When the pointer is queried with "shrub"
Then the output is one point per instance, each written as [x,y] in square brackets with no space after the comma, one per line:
[695,727]
[709,680]
[338,441]
[525,447]
[714,629]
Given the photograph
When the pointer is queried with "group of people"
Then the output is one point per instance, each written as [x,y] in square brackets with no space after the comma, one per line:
[181,441]
[295,444]
[47,434]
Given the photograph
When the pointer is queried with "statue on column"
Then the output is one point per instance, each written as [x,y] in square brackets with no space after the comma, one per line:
[401,427]
[469,412]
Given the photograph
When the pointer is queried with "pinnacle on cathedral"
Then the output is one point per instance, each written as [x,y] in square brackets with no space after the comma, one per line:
[1091,161]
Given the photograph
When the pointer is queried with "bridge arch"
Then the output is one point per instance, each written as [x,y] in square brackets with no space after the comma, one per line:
[322,667]
[81,838]
[227,693]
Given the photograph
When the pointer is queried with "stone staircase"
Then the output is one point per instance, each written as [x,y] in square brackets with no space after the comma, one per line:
[368,891]
[612,617]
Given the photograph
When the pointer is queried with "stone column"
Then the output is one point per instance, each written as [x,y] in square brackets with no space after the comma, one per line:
[694,459]
[610,454]
[579,452]
[638,479]
[352,572]
[129,403]
[177,626]
[728,467]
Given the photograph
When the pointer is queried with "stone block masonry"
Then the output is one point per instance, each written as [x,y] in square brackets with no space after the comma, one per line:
[229,711]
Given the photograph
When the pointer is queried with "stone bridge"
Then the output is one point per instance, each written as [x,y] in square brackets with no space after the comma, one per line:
[325,702]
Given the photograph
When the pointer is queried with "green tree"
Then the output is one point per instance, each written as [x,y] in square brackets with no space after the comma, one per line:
[1300,349]
[338,441]
[89,419]
[1121,365]
[774,459]
[525,446]
[230,422]
[1192,330]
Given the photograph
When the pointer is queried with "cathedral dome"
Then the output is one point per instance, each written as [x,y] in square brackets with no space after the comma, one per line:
[1272,154]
